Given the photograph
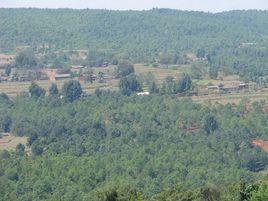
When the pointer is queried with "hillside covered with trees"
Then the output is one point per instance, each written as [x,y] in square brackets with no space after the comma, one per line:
[125,146]
[233,42]
[81,148]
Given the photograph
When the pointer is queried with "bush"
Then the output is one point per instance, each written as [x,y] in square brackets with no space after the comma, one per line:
[36,91]
[72,90]
[129,84]
[124,68]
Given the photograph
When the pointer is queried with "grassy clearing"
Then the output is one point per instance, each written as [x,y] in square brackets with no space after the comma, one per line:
[203,82]
[14,88]
[227,81]
[9,142]
[160,73]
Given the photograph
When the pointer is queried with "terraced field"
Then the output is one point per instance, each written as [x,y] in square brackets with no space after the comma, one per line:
[14,88]
[234,98]
[159,73]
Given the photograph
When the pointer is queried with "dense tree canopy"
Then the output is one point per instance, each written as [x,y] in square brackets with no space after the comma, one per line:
[148,143]
[129,84]
[72,90]
[53,90]
[36,91]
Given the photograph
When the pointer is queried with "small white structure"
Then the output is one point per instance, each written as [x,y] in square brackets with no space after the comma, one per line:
[213,87]
[145,93]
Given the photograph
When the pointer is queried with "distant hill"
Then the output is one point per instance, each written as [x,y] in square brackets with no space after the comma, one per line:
[234,42]
[140,35]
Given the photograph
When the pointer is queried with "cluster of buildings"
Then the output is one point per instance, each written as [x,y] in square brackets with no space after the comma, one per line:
[22,75]
[76,72]
[53,75]
[227,89]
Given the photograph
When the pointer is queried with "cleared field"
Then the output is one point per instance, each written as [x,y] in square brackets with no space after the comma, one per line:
[226,81]
[234,98]
[160,73]
[9,142]
[14,88]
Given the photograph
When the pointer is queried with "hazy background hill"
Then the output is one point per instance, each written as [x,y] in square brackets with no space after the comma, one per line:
[141,35]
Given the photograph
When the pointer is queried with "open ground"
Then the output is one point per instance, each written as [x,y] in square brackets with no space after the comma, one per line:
[159,73]
[9,142]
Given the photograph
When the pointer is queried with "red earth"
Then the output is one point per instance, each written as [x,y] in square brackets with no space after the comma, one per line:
[261,144]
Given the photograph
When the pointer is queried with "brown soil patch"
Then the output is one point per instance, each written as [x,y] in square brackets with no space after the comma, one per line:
[9,142]
[261,144]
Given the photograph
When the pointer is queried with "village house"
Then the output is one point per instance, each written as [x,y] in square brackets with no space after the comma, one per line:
[77,69]
[237,88]
[53,75]
[243,86]
[227,89]
[213,89]
[145,93]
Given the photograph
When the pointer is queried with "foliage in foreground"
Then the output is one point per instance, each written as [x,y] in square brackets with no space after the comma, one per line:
[148,143]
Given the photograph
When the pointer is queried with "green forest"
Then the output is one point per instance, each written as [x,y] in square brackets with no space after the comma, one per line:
[117,145]
[109,146]
[233,42]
